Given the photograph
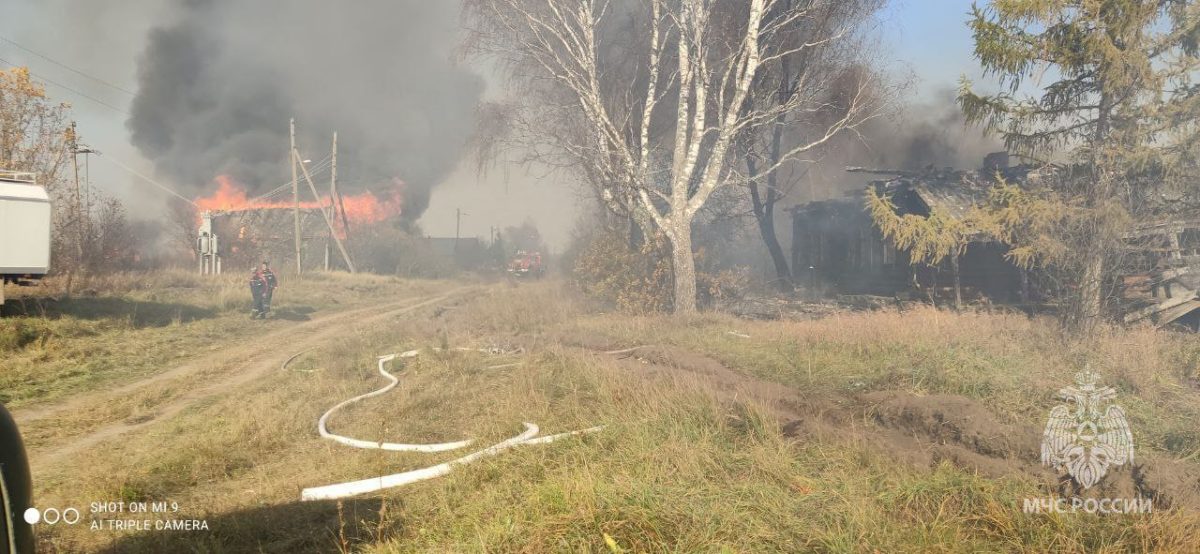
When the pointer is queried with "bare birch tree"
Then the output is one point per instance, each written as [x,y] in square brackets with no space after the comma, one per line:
[648,98]
[826,73]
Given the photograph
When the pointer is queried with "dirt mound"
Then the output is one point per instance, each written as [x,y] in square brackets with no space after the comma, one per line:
[687,360]
[1169,482]
[682,365]
[956,429]
[919,430]
[968,435]
[952,419]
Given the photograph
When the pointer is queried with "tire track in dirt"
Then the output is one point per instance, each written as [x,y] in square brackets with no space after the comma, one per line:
[27,415]
[257,364]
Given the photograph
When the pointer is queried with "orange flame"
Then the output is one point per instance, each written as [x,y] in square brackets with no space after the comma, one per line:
[360,208]
[366,208]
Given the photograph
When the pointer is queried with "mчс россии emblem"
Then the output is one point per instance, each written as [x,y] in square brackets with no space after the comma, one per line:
[1087,434]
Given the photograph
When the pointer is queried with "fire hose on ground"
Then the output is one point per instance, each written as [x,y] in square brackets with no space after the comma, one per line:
[353,488]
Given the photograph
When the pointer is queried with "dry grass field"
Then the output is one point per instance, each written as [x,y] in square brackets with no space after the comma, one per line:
[861,432]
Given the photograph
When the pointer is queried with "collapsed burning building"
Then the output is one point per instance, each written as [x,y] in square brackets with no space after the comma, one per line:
[837,248]
[234,228]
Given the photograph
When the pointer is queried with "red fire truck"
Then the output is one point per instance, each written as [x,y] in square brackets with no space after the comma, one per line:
[527,264]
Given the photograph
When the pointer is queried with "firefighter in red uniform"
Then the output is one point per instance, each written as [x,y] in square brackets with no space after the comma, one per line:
[272,283]
[258,289]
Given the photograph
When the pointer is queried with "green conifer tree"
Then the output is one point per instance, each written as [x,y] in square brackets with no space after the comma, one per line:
[1117,106]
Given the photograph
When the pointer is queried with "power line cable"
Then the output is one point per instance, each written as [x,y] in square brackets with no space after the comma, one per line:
[278,191]
[147,179]
[318,169]
[65,87]
[67,67]
[156,183]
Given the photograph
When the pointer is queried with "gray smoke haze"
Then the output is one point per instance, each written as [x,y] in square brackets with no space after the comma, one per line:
[924,132]
[218,83]
[930,132]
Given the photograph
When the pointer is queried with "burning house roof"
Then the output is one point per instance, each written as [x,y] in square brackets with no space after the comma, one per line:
[359,208]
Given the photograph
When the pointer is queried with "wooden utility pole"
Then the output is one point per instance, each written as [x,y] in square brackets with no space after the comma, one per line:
[328,223]
[457,225]
[341,205]
[295,191]
[332,209]
[333,193]
[78,199]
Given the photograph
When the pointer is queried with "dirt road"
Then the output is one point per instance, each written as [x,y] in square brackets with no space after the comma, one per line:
[168,392]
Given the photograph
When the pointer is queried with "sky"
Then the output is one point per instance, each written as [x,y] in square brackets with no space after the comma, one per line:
[932,38]
[928,38]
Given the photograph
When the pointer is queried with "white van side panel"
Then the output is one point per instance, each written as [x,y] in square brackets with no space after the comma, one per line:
[24,229]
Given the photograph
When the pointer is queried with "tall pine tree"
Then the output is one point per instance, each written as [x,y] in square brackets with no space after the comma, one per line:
[1117,104]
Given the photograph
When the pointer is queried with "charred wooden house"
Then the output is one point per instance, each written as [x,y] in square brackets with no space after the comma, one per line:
[837,247]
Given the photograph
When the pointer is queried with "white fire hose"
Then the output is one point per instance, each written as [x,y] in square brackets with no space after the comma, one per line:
[395,447]
[352,488]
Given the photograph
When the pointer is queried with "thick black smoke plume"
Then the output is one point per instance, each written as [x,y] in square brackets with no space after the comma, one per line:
[219,83]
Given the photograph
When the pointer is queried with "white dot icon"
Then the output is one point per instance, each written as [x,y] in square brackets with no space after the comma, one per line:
[32,516]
